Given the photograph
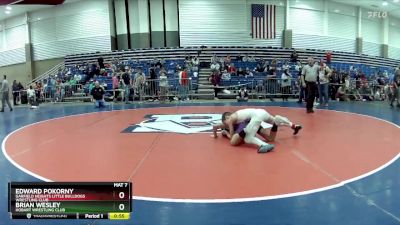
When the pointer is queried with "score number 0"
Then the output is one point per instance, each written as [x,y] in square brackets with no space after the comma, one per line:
[121,206]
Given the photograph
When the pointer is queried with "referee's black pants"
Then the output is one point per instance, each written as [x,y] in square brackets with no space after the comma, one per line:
[311,90]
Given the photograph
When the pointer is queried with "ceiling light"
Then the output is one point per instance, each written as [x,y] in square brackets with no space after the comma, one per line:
[8,7]
[395,1]
[280,3]
[384,3]
[393,24]
[336,10]
[38,18]
[8,12]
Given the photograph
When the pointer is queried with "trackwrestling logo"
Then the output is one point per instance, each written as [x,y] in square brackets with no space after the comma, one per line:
[176,123]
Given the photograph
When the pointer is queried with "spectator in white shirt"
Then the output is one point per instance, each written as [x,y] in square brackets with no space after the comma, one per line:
[285,84]
[215,66]
[226,75]
[31,95]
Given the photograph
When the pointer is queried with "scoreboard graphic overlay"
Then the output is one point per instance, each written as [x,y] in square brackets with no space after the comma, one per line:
[67,200]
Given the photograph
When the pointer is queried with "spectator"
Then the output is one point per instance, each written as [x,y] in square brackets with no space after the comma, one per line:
[396,89]
[232,69]
[140,81]
[227,60]
[248,73]
[215,80]
[158,63]
[126,78]
[163,87]
[323,86]
[214,59]
[195,64]
[31,96]
[259,68]
[285,84]
[98,95]
[100,61]
[272,84]
[38,91]
[215,66]
[286,66]
[294,56]
[115,86]
[240,72]
[184,84]
[152,83]
[242,96]
[328,56]
[333,84]
[226,75]
[310,73]
[4,91]
[16,93]
[341,93]
[51,87]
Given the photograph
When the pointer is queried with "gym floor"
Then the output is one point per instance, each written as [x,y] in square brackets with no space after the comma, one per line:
[341,168]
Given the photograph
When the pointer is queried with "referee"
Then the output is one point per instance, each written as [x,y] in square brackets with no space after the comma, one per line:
[310,74]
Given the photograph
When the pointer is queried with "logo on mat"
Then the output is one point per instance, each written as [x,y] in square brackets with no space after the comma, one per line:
[176,123]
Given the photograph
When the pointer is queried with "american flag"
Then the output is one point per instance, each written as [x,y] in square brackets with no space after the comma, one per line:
[263,21]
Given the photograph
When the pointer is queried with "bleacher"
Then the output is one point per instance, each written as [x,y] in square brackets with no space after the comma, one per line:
[341,61]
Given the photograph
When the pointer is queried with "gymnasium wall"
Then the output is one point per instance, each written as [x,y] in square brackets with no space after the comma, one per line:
[315,24]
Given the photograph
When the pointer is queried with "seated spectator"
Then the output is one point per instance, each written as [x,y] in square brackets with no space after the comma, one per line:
[158,63]
[240,72]
[226,75]
[259,68]
[242,96]
[31,97]
[195,64]
[341,93]
[294,56]
[286,66]
[248,73]
[232,69]
[215,66]
[98,95]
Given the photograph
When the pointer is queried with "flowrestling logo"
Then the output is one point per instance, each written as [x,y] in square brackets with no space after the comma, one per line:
[179,123]
[176,123]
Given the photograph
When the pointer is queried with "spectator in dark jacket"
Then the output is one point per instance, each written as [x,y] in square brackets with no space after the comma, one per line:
[98,95]
[242,96]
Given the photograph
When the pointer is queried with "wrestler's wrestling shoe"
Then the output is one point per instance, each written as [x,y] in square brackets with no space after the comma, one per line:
[266,148]
[296,129]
